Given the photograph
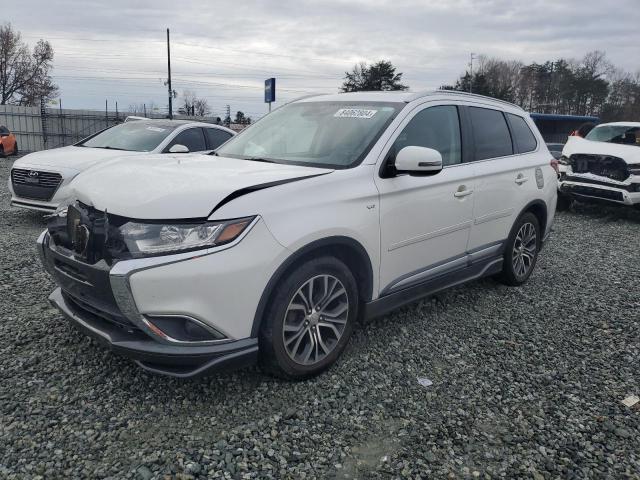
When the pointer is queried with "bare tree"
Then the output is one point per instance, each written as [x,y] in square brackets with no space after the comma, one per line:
[201,107]
[24,74]
[192,105]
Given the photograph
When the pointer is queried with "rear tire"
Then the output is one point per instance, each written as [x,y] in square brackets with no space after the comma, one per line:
[564,202]
[309,319]
[15,149]
[2,155]
[521,251]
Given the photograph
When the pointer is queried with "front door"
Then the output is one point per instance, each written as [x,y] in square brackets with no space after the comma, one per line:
[425,220]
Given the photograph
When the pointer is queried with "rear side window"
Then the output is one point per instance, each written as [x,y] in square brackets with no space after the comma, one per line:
[216,137]
[191,138]
[490,133]
[523,137]
[437,128]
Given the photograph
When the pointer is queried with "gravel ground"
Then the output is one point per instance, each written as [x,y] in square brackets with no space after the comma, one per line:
[527,383]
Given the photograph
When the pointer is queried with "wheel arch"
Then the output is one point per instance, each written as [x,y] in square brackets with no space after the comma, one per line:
[349,251]
[539,209]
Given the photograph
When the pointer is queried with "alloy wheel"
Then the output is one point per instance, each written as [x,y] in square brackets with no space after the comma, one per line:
[524,250]
[315,319]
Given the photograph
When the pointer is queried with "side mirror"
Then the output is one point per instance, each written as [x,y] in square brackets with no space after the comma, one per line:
[418,160]
[177,148]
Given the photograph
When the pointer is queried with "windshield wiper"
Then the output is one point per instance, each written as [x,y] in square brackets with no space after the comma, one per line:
[113,148]
[258,159]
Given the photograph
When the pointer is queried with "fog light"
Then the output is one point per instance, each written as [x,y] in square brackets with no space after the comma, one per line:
[182,329]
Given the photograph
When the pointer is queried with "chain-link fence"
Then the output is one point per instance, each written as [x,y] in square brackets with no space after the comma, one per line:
[43,128]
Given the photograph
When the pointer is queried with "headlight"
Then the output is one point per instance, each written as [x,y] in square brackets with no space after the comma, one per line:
[154,238]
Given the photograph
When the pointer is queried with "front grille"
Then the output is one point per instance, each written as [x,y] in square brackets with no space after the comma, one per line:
[35,184]
[595,192]
[602,165]
[84,309]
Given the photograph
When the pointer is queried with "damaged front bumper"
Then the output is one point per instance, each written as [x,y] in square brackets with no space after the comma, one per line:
[593,187]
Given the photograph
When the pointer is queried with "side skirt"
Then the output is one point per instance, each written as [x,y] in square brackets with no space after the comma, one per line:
[391,301]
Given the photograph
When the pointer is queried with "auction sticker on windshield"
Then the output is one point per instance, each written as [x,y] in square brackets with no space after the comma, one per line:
[354,113]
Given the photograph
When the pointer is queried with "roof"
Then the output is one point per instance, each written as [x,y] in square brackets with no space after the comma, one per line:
[560,118]
[399,97]
[179,123]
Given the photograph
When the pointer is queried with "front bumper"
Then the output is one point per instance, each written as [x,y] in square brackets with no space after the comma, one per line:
[115,303]
[173,360]
[625,193]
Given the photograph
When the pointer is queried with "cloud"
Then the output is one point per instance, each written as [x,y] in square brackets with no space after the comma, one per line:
[224,50]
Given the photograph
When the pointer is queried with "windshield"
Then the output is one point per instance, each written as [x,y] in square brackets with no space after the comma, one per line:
[132,136]
[322,134]
[624,134]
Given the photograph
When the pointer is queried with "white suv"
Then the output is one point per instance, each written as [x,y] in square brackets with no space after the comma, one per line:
[331,209]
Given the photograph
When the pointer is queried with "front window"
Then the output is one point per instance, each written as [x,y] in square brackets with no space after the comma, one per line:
[322,134]
[623,134]
[138,136]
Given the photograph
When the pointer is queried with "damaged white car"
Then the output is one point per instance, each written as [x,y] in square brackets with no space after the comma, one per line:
[605,165]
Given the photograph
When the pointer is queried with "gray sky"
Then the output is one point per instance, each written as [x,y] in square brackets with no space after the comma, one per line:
[224,50]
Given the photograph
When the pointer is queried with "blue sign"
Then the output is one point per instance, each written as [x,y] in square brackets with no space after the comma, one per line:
[270,90]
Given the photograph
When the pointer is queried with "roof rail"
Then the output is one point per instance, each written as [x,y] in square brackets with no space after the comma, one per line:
[427,93]
[304,96]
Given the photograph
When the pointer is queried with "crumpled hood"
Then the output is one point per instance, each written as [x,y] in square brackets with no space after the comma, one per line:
[76,158]
[176,186]
[629,153]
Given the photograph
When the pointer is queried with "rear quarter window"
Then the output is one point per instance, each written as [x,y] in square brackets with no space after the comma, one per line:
[491,133]
[523,138]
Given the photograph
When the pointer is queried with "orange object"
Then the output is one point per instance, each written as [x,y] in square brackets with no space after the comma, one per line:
[8,142]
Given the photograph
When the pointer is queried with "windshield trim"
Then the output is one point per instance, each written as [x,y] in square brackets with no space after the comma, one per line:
[398,107]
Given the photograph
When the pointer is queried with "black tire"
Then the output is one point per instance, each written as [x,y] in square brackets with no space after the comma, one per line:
[564,202]
[15,149]
[274,355]
[2,155]
[510,274]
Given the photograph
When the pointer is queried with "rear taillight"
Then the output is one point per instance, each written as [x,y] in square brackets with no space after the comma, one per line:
[554,165]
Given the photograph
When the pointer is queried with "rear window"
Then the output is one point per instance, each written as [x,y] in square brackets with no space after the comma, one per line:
[216,137]
[523,137]
[490,132]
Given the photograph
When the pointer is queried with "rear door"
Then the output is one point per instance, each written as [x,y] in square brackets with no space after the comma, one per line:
[504,172]
[425,220]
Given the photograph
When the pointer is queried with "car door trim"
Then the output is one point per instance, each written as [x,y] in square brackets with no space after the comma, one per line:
[394,299]
[490,217]
[446,267]
[430,235]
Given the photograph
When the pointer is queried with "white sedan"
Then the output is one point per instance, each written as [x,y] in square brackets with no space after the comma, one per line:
[39,180]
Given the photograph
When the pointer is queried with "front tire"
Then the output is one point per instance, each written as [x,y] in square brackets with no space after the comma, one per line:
[15,149]
[521,251]
[309,319]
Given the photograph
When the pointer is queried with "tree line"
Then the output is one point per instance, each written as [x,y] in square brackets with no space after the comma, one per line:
[589,86]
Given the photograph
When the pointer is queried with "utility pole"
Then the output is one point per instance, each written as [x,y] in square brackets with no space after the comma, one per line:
[169,78]
[471,57]
[227,119]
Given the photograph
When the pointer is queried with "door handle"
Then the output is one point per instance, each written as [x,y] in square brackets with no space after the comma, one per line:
[462,192]
[520,179]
